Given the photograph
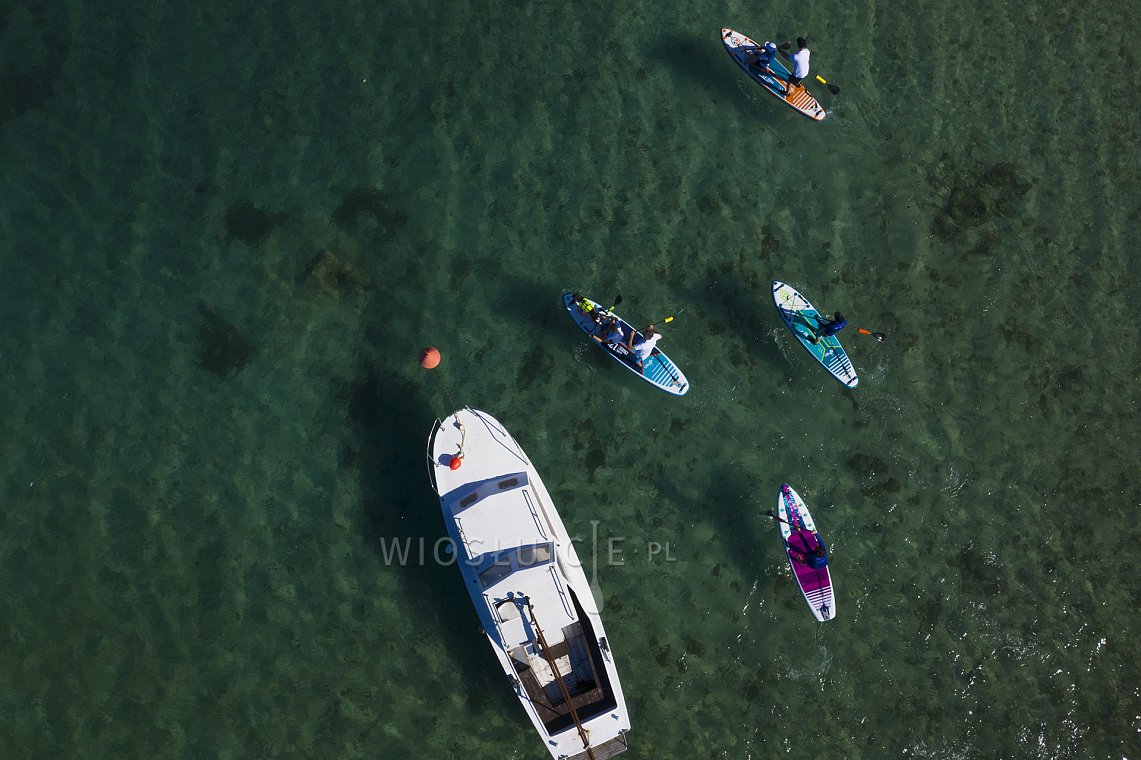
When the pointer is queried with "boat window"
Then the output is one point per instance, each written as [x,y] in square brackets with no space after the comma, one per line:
[528,556]
[497,572]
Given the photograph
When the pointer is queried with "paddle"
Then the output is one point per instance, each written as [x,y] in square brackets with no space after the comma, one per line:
[617,301]
[794,527]
[831,87]
[668,319]
[877,335]
[786,522]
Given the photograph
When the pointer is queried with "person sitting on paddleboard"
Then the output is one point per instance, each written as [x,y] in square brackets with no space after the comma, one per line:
[585,307]
[760,56]
[609,330]
[797,556]
[819,556]
[829,327]
[800,61]
[645,345]
[816,556]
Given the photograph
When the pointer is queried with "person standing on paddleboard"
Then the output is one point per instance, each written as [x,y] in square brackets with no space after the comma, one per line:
[800,64]
[645,345]
[829,327]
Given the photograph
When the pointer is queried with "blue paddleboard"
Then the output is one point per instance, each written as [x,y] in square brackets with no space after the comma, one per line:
[657,370]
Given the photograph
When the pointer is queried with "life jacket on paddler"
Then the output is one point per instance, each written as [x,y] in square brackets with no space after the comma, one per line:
[586,307]
[819,557]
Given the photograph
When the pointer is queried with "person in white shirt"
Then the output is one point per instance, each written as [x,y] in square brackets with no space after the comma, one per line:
[800,63]
[645,345]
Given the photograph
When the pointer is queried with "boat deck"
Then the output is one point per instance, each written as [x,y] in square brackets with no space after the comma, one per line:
[604,751]
[576,664]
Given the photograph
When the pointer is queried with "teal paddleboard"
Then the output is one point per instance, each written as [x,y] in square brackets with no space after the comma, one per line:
[803,321]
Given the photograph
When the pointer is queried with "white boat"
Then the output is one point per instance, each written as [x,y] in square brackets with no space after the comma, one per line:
[529,589]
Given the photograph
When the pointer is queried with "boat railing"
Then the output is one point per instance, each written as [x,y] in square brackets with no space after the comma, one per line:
[428,456]
[535,514]
[463,536]
[562,594]
[501,436]
[546,517]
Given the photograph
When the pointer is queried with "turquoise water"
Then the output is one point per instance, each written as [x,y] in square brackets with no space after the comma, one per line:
[226,233]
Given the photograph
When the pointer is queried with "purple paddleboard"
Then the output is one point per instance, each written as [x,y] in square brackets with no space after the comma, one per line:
[800,546]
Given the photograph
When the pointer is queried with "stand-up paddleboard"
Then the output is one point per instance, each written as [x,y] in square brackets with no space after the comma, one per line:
[763,66]
[803,321]
[658,369]
[815,583]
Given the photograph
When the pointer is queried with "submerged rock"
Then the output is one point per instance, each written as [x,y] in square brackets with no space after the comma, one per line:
[222,350]
[331,275]
[250,224]
[368,202]
[969,206]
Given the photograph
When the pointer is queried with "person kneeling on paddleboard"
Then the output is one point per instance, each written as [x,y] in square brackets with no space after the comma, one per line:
[829,327]
[645,345]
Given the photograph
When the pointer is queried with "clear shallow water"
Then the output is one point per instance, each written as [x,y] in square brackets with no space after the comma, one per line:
[225,236]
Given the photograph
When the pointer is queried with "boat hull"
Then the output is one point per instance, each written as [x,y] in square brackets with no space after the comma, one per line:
[534,602]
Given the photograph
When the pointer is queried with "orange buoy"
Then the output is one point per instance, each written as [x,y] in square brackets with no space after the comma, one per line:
[455,463]
[430,358]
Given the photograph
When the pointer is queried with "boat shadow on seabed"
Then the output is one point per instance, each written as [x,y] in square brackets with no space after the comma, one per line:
[391,419]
